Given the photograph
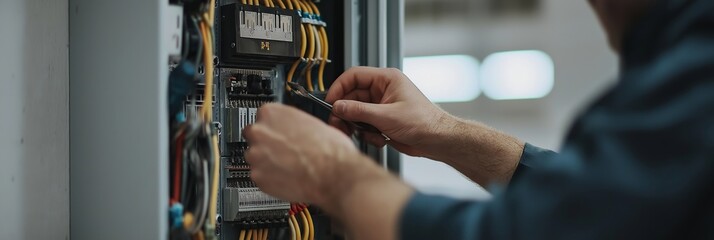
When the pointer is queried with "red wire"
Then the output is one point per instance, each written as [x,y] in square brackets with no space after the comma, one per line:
[177,167]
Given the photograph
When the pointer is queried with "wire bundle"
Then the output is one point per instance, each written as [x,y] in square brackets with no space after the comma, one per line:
[196,154]
[308,228]
[253,234]
[314,49]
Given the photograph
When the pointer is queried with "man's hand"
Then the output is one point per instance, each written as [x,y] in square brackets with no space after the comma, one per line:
[295,157]
[386,99]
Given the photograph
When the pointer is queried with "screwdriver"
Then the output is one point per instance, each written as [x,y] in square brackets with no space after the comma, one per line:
[359,126]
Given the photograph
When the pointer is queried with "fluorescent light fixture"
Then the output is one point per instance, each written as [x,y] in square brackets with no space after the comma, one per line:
[517,75]
[447,78]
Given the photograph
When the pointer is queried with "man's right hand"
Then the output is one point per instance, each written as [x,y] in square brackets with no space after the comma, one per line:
[388,100]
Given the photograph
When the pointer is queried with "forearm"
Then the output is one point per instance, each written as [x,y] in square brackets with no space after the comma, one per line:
[483,154]
[368,200]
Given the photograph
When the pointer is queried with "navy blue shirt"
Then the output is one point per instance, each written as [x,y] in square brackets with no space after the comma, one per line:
[639,163]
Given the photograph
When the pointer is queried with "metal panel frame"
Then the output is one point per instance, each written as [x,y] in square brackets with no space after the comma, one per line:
[381,32]
[118,119]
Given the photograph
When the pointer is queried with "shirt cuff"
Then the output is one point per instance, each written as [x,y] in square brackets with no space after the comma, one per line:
[532,157]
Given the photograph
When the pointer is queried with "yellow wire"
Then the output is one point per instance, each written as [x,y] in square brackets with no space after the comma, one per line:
[305,7]
[309,221]
[297,5]
[305,226]
[303,47]
[214,185]
[311,51]
[265,234]
[289,3]
[281,4]
[207,109]
[242,235]
[211,12]
[298,235]
[325,49]
[258,234]
[250,234]
[311,54]
[245,2]
[266,3]
[250,2]
[325,56]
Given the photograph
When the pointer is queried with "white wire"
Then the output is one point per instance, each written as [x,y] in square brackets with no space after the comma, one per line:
[318,49]
[292,230]
[205,194]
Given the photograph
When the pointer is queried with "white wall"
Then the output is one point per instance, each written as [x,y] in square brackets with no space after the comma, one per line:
[565,29]
[34,120]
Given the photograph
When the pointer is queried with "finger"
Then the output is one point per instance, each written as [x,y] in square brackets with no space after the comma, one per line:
[256,156]
[361,95]
[267,111]
[375,139]
[257,134]
[358,78]
[340,125]
[355,111]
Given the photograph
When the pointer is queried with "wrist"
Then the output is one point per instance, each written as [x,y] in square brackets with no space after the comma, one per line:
[443,132]
[369,201]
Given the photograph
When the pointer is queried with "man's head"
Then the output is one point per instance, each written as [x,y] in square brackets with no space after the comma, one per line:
[617,16]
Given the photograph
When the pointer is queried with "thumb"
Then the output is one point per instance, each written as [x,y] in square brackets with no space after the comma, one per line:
[356,111]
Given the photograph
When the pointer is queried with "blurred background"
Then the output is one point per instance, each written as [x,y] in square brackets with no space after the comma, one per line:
[555,48]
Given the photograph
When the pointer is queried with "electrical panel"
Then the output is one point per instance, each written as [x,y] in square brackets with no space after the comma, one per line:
[236,56]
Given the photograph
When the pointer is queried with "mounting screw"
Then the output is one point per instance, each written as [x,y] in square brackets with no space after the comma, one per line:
[233,45]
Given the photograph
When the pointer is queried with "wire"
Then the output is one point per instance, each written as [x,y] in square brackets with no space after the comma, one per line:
[305,226]
[325,56]
[256,232]
[250,234]
[199,236]
[207,108]
[303,46]
[311,38]
[202,217]
[309,221]
[241,236]
[292,230]
[265,234]
[177,167]
[298,236]
[311,54]
[281,4]
[312,6]
[325,49]
[211,13]
[214,187]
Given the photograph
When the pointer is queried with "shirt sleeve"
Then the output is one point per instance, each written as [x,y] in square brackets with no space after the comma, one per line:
[621,183]
[532,157]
